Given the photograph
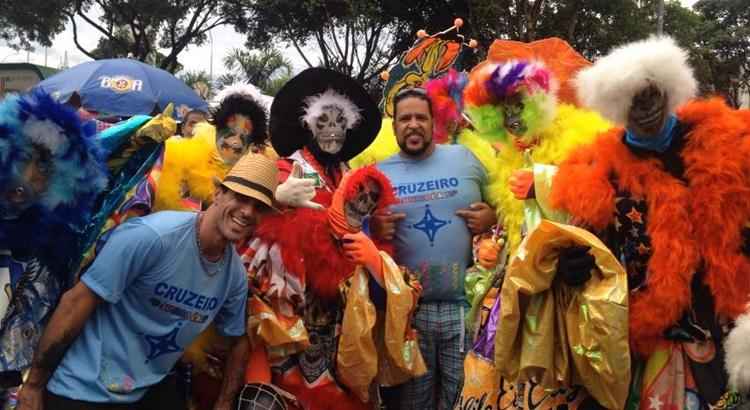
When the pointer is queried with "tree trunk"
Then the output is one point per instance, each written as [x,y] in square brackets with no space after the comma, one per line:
[659,17]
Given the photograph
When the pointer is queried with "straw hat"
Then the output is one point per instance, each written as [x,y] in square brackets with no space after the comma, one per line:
[254,175]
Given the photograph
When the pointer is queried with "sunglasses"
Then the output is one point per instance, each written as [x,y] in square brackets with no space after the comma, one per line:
[411,90]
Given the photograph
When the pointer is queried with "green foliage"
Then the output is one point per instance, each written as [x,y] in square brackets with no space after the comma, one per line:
[199,81]
[266,69]
[360,38]
[23,22]
[155,32]
[721,47]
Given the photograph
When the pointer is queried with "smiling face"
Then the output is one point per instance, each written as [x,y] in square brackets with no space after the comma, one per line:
[329,129]
[413,126]
[362,205]
[237,214]
[648,112]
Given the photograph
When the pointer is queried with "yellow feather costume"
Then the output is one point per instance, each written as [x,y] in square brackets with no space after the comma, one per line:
[190,166]
[571,128]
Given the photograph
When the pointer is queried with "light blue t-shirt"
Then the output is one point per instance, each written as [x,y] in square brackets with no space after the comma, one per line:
[157,299]
[432,240]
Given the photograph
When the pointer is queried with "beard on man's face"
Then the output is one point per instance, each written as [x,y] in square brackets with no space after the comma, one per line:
[414,143]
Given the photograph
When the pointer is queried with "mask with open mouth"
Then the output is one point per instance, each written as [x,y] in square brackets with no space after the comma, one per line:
[648,112]
[513,121]
[330,128]
[328,116]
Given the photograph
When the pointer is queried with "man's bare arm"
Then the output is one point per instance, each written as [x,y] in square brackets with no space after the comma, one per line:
[75,307]
[234,373]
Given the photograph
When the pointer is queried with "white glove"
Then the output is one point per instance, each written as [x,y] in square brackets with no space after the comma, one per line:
[297,191]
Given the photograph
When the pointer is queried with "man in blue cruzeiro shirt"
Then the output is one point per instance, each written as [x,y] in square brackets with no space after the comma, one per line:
[155,285]
[440,207]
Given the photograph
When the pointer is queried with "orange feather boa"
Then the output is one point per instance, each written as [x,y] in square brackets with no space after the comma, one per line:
[692,225]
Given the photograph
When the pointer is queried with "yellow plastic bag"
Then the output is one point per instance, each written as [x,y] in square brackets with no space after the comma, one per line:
[560,336]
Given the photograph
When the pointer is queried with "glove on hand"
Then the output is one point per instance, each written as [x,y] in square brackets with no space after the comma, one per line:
[360,249]
[575,264]
[297,191]
[521,184]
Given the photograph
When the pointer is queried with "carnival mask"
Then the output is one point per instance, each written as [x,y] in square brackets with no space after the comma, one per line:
[362,205]
[329,130]
[648,112]
[513,107]
[26,188]
[233,141]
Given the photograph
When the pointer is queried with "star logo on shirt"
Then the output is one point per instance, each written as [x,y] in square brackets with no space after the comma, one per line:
[429,224]
[160,345]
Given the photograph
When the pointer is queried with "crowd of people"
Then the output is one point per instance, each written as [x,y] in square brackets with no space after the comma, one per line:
[545,233]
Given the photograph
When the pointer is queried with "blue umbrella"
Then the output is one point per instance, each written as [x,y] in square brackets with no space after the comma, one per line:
[122,87]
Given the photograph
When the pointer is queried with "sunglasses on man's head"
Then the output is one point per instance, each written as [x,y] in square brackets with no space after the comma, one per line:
[411,90]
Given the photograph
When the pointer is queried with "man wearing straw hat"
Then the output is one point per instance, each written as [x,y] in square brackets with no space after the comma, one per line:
[156,284]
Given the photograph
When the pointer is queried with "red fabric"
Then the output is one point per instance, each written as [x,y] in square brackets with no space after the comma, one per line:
[689,224]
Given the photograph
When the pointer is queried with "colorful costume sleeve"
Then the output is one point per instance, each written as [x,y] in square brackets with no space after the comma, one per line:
[562,336]
[133,155]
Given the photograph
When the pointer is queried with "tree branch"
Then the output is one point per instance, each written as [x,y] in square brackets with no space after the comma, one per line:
[80,12]
[301,54]
[71,16]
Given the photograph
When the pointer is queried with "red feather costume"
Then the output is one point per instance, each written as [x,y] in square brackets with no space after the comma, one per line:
[311,264]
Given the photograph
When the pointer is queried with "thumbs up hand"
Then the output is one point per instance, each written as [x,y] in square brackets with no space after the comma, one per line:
[297,191]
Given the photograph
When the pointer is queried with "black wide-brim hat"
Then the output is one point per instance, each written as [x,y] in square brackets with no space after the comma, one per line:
[288,134]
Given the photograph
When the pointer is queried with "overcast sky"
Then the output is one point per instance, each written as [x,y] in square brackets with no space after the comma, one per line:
[193,58]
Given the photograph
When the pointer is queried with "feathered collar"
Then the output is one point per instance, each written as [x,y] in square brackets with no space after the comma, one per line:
[693,223]
[309,249]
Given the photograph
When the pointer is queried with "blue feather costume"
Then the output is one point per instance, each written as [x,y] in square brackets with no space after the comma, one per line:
[52,172]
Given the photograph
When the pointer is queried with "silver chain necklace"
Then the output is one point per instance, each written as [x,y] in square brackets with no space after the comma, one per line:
[220,262]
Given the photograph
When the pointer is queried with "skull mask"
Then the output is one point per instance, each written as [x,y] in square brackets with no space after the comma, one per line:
[363,204]
[28,185]
[648,112]
[329,130]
